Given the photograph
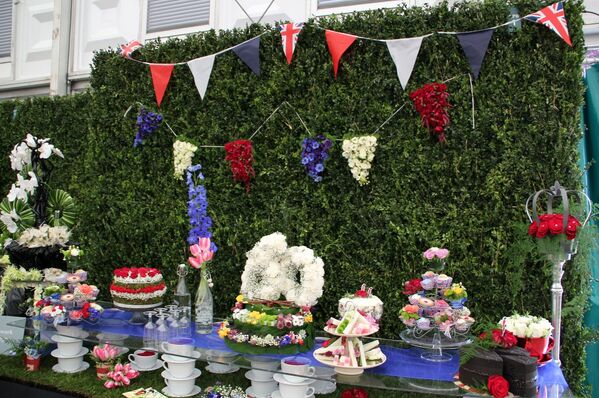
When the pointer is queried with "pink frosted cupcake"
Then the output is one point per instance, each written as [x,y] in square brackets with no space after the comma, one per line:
[73,279]
[414,299]
[428,284]
[429,275]
[443,281]
[423,324]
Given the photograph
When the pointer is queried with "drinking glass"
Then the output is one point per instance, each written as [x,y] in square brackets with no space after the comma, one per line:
[161,330]
[149,337]
[173,327]
[185,322]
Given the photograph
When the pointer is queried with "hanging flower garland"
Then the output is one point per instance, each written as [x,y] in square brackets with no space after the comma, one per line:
[147,123]
[240,156]
[359,152]
[431,101]
[197,206]
[183,152]
[315,151]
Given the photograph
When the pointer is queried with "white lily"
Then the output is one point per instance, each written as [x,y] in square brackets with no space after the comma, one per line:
[45,150]
[31,141]
[16,193]
[10,223]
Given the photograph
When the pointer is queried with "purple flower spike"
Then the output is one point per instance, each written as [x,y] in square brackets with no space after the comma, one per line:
[314,153]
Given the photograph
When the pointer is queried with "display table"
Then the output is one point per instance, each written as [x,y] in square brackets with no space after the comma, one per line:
[404,370]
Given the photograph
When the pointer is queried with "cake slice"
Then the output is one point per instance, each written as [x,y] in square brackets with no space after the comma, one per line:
[520,370]
[477,370]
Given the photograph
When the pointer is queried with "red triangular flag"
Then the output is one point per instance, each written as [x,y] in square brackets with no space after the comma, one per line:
[161,74]
[338,43]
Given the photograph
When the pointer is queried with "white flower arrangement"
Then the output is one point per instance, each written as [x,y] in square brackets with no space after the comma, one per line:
[20,156]
[183,152]
[527,326]
[139,296]
[44,236]
[359,152]
[271,268]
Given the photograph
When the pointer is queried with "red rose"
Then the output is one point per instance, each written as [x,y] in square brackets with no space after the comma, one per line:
[532,228]
[354,393]
[411,287]
[133,274]
[361,293]
[143,272]
[504,338]
[498,386]
[543,229]
[556,226]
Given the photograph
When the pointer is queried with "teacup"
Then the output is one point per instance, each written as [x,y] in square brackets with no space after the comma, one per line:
[263,367]
[297,366]
[294,390]
[70,364]
[178,367]
[180,386]
[264,388]
[221,361]
[67,346]
[180,346]
[143,359]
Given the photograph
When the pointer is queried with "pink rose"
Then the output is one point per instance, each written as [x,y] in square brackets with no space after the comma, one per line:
[430,253]
[442,253]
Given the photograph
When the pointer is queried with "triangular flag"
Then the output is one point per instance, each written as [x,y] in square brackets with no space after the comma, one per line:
[289,35]
[475,46]
[404,53]
[201,68]
[249,53]
[338,43]
[554,18]
[161,74]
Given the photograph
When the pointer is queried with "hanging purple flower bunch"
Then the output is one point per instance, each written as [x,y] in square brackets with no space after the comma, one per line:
[314,153]
[147,123]
[197,207]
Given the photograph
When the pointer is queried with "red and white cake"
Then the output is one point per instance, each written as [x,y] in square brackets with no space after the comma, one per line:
[137,287]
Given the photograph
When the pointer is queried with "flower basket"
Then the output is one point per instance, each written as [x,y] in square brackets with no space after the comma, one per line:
[102,370]
[36,257]
[32,364]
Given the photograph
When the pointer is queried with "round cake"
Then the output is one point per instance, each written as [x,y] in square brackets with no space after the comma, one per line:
[362,300]
[137,287]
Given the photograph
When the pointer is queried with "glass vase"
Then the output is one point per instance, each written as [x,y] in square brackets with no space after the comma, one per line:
[204,306]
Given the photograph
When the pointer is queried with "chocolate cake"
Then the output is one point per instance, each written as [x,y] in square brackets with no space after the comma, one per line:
[477,370]
[520,370]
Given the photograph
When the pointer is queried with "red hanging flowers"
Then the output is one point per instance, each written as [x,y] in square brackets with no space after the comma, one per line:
[240,156]
[431,101]
[554,224]
[354,393]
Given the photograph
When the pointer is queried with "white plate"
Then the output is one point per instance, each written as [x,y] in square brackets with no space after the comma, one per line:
[84,366]
[196,390]
[250,392]
[233,369]
[166,374]
[334,333]
[277,394]
[280,378]
[81,353]
[349,370]
[155,367]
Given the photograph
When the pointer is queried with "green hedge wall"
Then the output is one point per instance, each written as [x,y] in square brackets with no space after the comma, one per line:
[467,195]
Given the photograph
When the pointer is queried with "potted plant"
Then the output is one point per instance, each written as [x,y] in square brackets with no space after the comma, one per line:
[32,350]
[104,356]
[457,295]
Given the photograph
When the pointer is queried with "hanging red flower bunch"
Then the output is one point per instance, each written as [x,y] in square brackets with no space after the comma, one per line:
[431,101]
[240,156]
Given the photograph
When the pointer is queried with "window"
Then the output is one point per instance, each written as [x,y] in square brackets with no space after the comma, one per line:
[341,3]
[5,27]
[166,15]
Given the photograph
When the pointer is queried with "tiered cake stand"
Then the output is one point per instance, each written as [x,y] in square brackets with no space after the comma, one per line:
[138,317]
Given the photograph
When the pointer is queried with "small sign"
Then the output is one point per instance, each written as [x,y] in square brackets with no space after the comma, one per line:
[9,332]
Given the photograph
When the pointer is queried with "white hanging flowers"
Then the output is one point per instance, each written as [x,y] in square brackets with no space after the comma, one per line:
[183,152]
[359,152]
[20,156]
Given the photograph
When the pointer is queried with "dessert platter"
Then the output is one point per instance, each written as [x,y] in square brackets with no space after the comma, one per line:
[137,290]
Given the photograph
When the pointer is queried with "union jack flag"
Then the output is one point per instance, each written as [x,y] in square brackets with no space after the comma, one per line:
[127,49]
[554,18]
[289,34]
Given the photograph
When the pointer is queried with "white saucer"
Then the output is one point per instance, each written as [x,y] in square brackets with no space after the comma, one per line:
[252,377]
[194,375]
[279,378]
[84,366]
[81,353]
[250,392]
[196,390]
[233,369]
[123,350]
[157,366]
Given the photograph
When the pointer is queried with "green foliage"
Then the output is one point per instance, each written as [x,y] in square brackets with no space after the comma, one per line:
[466,195]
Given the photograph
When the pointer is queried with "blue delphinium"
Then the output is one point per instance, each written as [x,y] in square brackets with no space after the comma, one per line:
[197,206]
[147,123]
[314,153]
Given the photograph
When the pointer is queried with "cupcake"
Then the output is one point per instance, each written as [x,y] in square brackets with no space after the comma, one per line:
[67,297]
[443,281]
[423,323]
[73,279]
[425,302]
[445,326]
[461,312]
[441,304]
[414,299]
[429,275]
[428,284]
[409,322]
[461,325]
[81,274]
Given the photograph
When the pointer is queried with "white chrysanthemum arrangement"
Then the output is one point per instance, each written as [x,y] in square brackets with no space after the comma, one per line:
[183,152]
[44,236]
[359,152]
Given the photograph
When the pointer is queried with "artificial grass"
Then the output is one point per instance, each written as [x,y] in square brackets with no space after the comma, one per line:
[85,384]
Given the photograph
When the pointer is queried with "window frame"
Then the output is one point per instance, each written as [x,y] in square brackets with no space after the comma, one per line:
[9,58]
[363,6]
[174,32]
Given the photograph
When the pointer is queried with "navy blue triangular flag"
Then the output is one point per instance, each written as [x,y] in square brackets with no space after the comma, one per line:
[249,53]
[475,46]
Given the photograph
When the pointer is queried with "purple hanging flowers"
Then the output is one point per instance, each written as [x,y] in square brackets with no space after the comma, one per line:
[147,123]
[315,151]
[197,208]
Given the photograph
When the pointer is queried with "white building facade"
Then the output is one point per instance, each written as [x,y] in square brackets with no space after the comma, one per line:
[46,46]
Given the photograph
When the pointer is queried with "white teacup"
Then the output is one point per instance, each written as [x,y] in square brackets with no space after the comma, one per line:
[297,366]
[70,364]
[143,358]
[180,386]
[221,361]
[263,368]
[180,346]
[264,388]
[73,331]
[178,367]
[67,346]
[294,390]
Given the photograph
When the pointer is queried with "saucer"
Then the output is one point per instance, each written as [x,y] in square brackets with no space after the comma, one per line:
[250,393]
[196,390]
[84,366]
[252,377]
[123,350]
[279,378]
[232,369]
[157,366]
[81,353]
[277,394]
[194,375]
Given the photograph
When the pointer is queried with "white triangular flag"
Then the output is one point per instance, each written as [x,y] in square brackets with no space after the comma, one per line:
[404,53]
[201,68]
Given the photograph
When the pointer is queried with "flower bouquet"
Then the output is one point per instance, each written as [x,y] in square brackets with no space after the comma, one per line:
[32,350]
[436,257]
[104,357]
[223,391]
[120,376]
[533,333]
[456,294]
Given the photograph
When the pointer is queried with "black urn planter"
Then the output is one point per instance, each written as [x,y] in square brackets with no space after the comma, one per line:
[36,257]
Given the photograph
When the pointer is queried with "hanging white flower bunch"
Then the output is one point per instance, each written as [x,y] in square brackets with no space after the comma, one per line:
[359,152]
[183,152]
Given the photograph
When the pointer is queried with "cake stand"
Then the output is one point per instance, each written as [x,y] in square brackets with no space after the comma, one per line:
[138,317]
[435,342]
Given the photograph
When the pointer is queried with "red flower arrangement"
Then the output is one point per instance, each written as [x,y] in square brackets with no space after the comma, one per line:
[147,289]
[240,156]
[134,272]
[354,393]
[498,386]
[431,101]
[412,286]
[554,224]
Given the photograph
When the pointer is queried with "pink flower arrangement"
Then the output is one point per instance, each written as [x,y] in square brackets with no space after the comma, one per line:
[435,252]
[105,353]
[121,376]
[201,253]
